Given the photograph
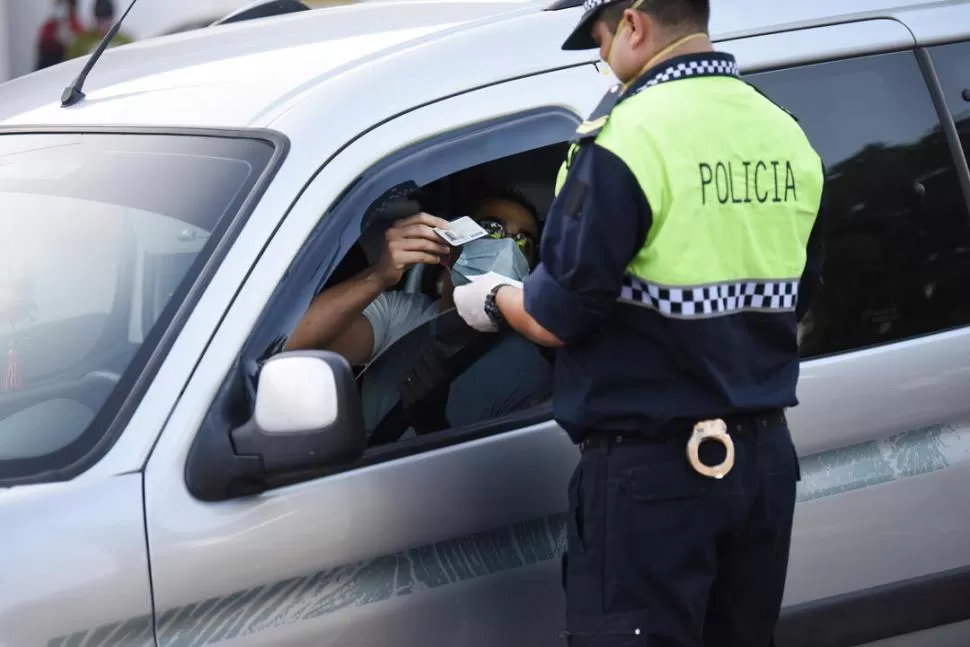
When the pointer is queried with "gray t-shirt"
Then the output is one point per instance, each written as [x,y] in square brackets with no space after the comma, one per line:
[391,315]
[512,376]
[394,314]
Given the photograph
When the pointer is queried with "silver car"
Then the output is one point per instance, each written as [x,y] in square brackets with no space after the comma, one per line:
[173,476]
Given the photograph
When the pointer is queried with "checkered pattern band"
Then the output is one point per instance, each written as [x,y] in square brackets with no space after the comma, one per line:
[589,5]
[715,65]
[708,301]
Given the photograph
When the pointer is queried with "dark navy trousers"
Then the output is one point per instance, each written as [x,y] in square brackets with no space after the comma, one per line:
[660,556]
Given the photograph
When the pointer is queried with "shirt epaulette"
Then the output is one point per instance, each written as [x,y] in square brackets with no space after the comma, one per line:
[593,124]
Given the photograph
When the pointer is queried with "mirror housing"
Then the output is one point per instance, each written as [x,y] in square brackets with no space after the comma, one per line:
[307,415]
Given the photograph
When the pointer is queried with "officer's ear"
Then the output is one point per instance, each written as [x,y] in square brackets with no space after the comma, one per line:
[639,26]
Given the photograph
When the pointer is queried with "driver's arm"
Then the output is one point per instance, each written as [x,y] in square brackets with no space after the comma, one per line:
[335,320]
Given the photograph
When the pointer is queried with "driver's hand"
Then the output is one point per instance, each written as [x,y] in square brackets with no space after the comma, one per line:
[409,242]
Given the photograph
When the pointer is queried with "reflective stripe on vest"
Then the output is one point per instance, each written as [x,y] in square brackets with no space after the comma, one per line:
[712,300]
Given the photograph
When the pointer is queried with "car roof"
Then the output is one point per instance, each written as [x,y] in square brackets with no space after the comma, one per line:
[253,73]
[230,75]
[737,18]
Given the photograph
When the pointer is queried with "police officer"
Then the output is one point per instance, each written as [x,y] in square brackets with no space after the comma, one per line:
[682,249]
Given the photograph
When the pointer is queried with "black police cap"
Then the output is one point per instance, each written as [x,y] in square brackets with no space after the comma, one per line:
[581,38]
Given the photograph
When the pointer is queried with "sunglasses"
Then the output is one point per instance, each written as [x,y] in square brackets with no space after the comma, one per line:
[495,229]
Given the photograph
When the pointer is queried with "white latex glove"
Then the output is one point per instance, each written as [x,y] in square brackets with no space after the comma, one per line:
[470,300]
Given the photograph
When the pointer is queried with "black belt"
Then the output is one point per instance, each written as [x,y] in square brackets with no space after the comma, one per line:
[680,429]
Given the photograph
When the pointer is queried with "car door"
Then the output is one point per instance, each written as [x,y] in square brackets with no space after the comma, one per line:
[450,541]
[883,424]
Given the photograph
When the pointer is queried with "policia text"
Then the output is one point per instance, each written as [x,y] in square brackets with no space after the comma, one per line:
[765,175]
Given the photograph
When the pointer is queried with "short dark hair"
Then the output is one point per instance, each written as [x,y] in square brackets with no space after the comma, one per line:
[670,13]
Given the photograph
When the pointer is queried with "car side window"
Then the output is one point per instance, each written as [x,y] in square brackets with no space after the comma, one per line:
[952,63]
[897,232]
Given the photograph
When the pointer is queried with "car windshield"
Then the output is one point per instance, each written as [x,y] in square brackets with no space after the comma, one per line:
[98,233]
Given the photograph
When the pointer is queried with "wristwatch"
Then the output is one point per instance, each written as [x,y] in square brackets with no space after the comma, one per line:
[491,308]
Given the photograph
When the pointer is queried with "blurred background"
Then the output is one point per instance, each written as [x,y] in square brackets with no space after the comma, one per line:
[36,33]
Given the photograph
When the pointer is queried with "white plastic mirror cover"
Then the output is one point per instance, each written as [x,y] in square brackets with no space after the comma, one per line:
[296,395]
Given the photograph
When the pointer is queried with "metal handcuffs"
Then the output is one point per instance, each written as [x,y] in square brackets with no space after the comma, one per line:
[711,430]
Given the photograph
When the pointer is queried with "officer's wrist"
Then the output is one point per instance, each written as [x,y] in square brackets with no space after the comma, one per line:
[492,308]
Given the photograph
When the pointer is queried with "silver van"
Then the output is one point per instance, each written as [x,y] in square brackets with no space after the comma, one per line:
[173,476]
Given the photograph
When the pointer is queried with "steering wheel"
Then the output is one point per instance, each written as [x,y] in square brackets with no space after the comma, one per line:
[427,359]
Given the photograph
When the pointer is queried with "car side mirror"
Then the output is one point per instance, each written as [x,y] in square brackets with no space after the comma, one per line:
[307,415]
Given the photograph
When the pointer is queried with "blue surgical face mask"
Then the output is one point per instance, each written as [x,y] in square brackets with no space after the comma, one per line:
[485,255]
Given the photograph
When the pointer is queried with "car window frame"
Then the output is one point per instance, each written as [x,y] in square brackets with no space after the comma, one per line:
[932,89]
[939,91]
[114,420]
[317,259]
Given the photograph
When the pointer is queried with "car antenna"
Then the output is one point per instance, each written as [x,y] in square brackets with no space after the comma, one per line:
[74,94]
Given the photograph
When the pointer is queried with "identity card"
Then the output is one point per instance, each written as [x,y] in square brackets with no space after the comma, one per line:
[461,231]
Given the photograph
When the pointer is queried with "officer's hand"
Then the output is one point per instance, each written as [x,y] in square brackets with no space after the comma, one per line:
[470,300]
[409,242]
